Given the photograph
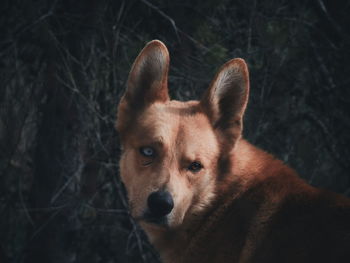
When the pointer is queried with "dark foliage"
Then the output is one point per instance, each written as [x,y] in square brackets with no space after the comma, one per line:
[63,67]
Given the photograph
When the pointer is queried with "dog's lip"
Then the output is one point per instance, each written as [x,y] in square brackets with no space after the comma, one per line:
[159,221]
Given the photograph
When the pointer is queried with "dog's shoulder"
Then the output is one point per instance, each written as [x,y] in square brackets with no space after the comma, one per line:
[273,214]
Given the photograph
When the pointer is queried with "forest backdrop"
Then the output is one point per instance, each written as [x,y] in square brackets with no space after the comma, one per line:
[63,68]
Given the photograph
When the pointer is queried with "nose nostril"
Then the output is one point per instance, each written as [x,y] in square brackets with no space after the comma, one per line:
[160,203]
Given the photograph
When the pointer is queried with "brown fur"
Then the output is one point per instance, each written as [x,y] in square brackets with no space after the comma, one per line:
[244,205]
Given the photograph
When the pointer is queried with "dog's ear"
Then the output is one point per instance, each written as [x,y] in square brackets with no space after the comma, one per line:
[147,82]
[148,78]
[226,99]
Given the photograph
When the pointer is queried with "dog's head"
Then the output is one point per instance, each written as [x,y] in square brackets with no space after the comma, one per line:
[173,152]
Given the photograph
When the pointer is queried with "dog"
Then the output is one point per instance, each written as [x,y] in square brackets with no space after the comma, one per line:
[201,192]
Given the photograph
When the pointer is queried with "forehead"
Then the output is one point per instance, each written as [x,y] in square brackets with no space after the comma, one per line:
[174,122]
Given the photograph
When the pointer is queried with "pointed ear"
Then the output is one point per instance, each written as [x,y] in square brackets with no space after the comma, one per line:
[226,99]
[148,78]
[147,83]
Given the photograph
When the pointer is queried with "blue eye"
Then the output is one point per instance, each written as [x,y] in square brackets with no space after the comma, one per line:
[147,151]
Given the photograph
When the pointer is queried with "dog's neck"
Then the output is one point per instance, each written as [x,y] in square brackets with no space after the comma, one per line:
[248,164]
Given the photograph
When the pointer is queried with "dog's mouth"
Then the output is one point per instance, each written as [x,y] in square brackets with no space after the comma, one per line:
[158,221]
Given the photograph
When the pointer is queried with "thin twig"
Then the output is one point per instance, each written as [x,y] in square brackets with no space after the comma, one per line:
[45,224]
[17,34]
[172,22]
[176,29]
[23,202]
[331,20]
[75,175]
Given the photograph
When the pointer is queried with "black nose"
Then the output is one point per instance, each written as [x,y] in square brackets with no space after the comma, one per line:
[160,203]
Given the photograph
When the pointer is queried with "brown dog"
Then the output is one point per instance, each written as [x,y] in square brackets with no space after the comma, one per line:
[204,194]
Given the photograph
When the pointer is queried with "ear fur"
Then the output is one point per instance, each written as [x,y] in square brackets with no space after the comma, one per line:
[226,99]
[147,82]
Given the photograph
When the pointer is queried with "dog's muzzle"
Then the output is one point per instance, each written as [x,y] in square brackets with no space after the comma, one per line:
[160,204]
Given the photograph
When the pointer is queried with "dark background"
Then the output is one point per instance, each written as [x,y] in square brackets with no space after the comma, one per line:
[63,68]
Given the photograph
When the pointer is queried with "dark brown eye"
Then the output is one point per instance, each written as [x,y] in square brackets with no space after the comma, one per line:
[195,167]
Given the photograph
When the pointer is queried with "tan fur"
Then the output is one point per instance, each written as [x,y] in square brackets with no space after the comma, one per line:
[244,205]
